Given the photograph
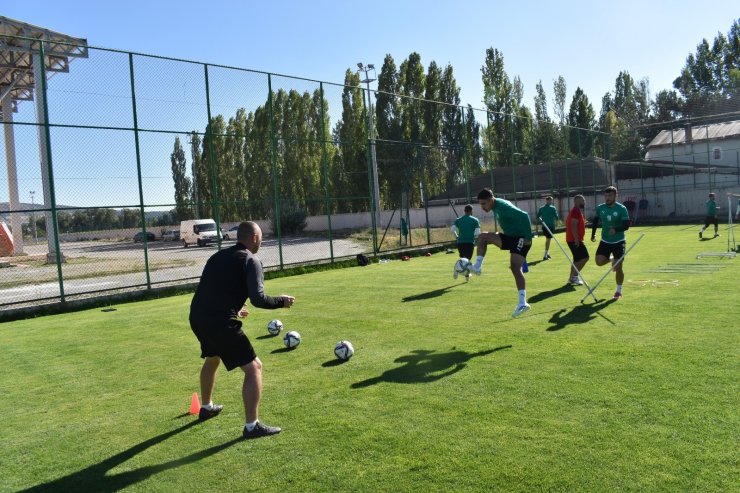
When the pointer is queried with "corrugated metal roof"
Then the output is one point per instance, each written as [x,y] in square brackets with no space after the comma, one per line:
[715,131]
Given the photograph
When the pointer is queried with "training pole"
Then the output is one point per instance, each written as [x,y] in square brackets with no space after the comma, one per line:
[613,266]
[572,264]
[730,224]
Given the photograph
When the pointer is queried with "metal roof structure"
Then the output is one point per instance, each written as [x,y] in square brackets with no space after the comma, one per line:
[18,42]
[702,133]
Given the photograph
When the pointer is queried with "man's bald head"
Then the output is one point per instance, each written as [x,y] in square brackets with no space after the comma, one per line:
[249,234]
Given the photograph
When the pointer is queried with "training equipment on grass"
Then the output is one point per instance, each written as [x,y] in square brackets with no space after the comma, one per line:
[569,260]
[274,327]
[194,404]
[344,350]
[291,339]
[590,291]
[463,265]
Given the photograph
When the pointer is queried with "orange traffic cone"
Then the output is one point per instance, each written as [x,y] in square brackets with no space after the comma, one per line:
[195,404]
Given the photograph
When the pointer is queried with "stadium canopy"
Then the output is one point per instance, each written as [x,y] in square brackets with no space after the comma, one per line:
[20,71]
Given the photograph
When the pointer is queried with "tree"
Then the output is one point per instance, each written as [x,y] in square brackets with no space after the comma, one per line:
[582,119]
[350,165]
[452,130]
[181,181]
[542,126]
[558,144]
[497,96]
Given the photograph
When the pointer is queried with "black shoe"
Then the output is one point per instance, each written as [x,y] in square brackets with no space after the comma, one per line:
[206,413]
[260,430]
[700,235]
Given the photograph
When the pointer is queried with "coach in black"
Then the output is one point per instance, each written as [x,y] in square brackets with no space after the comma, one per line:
[229,278]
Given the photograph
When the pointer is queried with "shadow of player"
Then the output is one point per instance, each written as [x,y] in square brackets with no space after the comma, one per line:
[581,314]
[422,366]
[543,295]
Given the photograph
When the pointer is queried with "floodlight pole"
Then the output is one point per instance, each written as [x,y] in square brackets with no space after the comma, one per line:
[371,126]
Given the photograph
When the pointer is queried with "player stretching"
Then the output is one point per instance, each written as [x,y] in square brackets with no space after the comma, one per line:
[548,214]
[711,216]
[466,229]
[516,237]
[614,220]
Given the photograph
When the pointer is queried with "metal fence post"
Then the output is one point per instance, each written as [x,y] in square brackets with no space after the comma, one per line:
[324,158]
[273,158]
[214,175]
[50,171]
[138,170]
[371,194]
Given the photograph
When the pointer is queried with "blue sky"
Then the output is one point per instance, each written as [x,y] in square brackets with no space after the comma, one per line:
[588,43]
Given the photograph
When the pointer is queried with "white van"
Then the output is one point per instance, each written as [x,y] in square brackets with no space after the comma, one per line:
[198,232]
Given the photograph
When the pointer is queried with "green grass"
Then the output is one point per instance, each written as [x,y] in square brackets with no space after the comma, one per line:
[445,392]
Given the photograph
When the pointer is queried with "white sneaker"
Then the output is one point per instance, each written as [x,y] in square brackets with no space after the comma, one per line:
[520,309]
[467,277]
[477,270]
[576,281]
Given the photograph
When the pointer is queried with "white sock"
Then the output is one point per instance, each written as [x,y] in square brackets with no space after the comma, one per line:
[702,230]
[208,406]
[522,296]
[478,261]
[547,252]
[619,288]
[250,426]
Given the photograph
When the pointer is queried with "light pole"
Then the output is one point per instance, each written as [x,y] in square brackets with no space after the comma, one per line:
[191,137]
[367,80]
[33,217]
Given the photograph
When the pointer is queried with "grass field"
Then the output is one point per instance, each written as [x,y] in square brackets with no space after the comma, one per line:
[445,392]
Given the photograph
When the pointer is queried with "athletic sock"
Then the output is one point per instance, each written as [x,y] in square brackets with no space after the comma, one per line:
[250,426]
[478,261]
[619,288]
[522,296]
[208,406]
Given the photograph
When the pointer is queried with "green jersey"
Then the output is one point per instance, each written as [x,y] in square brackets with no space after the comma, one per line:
[466,226]
[512,220]
[711,208]
[548,214]
[612,217]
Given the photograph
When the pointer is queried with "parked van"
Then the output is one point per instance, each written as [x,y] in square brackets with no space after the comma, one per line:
[198,232]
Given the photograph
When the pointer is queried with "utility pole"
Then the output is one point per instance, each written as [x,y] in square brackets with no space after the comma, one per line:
[367,80]
[193,151]
[33,217]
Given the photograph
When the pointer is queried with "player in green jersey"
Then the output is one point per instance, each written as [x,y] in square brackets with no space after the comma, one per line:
[516,237]
[466,229]
[547,214]
[711,217]
[614,220]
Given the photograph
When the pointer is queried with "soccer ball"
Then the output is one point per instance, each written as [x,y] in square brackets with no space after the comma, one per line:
[344,350]
[291,339]
[462,266]
[274,327]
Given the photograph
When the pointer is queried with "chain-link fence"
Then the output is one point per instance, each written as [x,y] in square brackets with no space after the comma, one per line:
[126,171]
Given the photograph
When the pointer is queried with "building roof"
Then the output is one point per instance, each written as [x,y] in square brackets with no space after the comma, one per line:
[18,42]
[702,133]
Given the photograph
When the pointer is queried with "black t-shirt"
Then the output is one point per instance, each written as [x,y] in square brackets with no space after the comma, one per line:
[229,278]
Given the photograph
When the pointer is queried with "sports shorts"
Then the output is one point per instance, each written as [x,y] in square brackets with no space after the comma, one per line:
[580,252]
[515,244]
[710,220]
[615,249]
[546,233]
[225,339]
[465,250]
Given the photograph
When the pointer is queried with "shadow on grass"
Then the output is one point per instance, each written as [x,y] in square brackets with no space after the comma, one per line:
[568,288]
[282,350]
[532,264]
[423,366]
[708,238]
[334,362]
[95,477]
[429,294]
[580,314]
[267,336]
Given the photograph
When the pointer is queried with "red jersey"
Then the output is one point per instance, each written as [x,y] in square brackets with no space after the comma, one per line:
[577,214]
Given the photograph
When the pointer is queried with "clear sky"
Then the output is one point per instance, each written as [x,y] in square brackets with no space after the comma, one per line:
[587,42]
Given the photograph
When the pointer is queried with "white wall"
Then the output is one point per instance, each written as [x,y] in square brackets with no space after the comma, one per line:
[697,153]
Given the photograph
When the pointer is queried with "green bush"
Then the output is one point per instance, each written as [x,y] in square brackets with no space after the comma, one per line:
[292,218]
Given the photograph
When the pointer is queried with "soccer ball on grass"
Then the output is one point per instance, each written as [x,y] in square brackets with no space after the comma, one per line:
[291,339]
[344,350]
[463,265]
[274,327]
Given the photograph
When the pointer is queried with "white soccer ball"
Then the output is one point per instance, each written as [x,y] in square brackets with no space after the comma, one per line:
[463,265]
[274,327]
[344,350]
[291,339]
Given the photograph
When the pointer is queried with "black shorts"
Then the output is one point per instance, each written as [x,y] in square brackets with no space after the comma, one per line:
[615,249]
[710,220]
[580,252]
[545,232]
[225,339]
[465,250]
[515,244]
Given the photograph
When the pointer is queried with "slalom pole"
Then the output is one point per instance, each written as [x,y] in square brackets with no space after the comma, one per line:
[613,266]
[571,262]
